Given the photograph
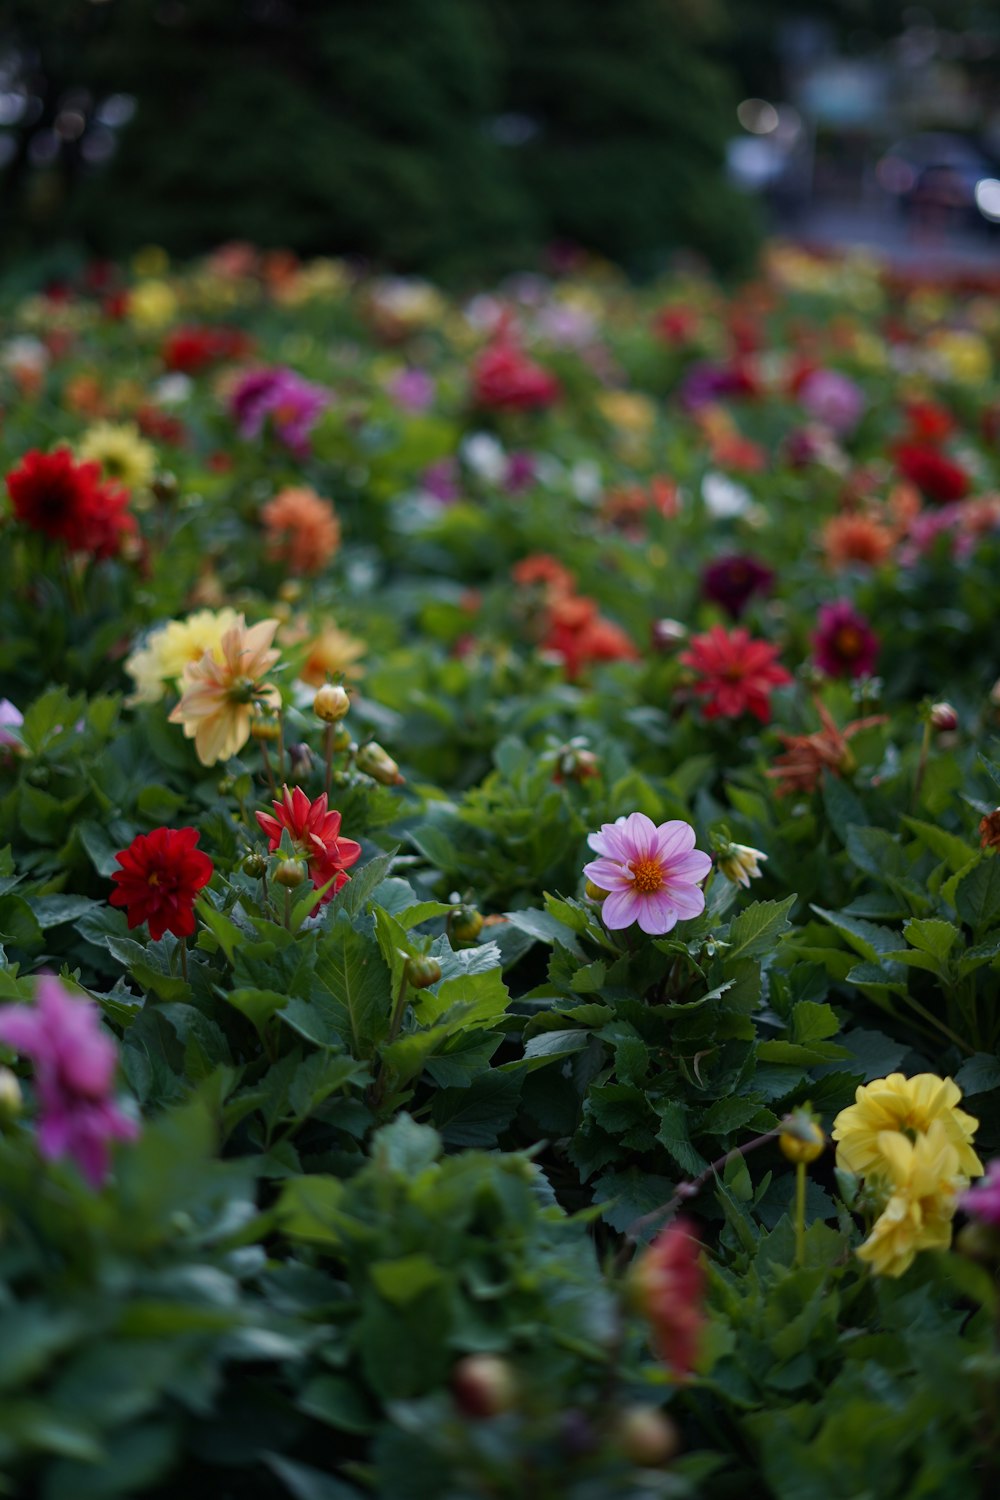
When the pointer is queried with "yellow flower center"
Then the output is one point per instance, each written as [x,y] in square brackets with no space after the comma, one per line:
[647,875]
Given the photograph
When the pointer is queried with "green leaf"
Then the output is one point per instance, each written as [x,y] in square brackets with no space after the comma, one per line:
[955,852]
[977,899]
[673,1134]
[476,1116]
[257,1005]
[979,1074]
[756,930]
[405,1147]
[931,935]
[351,970]
[399,1281]
[305,1483]
[309,1208]
[865,938]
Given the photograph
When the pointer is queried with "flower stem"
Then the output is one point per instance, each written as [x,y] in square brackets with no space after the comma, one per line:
[267,767]
[328,752]
[800,1213]
[184,959]
[925,745]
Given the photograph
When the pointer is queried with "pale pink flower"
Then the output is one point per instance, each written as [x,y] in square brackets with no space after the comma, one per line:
[652,874]
[982,1202]
[74,1076]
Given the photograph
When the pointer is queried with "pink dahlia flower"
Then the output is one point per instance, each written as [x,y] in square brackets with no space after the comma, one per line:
[982,1202]
[652,874]
[74,1076]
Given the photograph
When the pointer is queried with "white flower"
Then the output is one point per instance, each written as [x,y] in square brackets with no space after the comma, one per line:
[741,864]
[723,497]
[485,456]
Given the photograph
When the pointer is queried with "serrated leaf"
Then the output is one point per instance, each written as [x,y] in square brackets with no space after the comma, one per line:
[756,930]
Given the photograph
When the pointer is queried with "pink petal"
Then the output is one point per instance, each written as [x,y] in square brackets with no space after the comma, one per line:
[687,900]
[611,841]
[673,839]
[657,914]
[621,909]
[689,868]
[608,875]
[640,832]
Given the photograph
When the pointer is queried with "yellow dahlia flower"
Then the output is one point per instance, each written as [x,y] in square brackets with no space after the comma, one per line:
[161,661]
[922,1177]
[906,1106]
[121,452]
[220,697]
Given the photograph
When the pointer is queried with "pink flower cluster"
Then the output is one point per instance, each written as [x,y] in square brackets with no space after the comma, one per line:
[982,1202]
[293,404]
[74,1076]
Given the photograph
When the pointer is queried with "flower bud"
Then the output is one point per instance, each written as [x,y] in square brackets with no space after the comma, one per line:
[378,764]
[290,873]
[165,487]
[331,702]
[291,590]
[801,1139]
[943,718]
[464,925]
[647,1437]
[483,1385]
[300,761]
[255,865]
[10,1096]
[740,863]
[421,970]
[266,727]
[576,763]
[667,635]
[593,892]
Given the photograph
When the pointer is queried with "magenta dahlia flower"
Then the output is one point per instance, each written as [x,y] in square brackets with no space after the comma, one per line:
[982,1202]
[652,874]
[844,644]
[75,1064]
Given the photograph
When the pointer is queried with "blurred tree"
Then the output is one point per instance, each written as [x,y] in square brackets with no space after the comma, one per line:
[457,136]
[631,116]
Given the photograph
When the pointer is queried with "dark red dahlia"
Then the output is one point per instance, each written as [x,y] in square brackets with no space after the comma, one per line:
[505,379]
[69,502]
[937,477]
[732,581]
[161,874]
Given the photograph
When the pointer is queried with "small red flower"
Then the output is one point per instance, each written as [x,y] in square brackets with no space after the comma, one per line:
[505,379]
[938,477]
[582,637]
[161,874]
[734,674]
[70,503]
[669,1284]
[314,832]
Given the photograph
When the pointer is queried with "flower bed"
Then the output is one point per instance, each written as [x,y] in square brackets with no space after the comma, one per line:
[498,895]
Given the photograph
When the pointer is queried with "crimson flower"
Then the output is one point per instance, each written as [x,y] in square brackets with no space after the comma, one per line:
[734,674]
[161,874]
[505,379]
[669,1286]
[70,503]
[844,644]
[732,581]
[938,477]
[314,831]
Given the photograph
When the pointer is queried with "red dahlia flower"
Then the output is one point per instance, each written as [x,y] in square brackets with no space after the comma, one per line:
[314,832]
[669,1284]
[161,874]
[70,503]
[938,477]
[505,379]
[734,674]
